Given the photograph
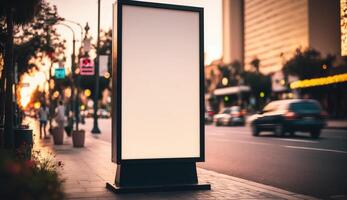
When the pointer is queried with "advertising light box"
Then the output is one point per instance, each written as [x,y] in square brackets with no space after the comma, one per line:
[158,111]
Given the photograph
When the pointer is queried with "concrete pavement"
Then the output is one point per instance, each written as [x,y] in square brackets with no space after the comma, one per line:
[86,171]
[337,124]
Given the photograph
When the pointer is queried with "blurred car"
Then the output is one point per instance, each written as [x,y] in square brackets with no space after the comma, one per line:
[230,116]
[102,113]
[209,117]
[288,116]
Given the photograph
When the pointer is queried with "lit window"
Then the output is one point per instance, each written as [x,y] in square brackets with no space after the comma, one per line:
[343,23]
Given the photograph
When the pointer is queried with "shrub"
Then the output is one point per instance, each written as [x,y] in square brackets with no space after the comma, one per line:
[30,179]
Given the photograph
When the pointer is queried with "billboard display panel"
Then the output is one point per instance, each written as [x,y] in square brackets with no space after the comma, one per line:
[159,83]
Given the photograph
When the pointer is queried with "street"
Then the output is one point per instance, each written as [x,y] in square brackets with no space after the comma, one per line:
[298,164]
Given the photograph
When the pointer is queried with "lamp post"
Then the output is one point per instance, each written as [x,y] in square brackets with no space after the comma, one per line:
[73,66]
[75,108]
[96,129]
[76,23]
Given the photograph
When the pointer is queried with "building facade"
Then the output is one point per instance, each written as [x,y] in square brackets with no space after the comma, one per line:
[271,30]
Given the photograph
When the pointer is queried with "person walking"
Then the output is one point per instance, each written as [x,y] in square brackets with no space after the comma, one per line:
[60,116]
[43,117]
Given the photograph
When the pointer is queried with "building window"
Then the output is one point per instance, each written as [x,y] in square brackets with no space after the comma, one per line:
[343,23]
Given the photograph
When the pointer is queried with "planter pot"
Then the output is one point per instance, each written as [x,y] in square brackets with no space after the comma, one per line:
[58,135]
[78,138]
[52,130]
[23,141]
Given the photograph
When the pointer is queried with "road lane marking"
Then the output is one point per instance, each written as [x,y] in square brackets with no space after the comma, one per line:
[248,142]
[228,133]
[297,140]
[241,141]
[316,149]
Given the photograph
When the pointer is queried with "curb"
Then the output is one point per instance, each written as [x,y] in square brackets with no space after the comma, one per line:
[261,187]
[336,128]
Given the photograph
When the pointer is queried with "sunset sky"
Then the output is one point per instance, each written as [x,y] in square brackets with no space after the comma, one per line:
[83,11]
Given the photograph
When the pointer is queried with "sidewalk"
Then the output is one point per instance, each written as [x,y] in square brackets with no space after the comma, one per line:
[86,171]
[337,124]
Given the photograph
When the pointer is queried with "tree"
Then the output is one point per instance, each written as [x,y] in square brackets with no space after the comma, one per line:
[20,12]
[27,33]
[308,64]
[260,86]
[255,63]
[236,67]
[23,11]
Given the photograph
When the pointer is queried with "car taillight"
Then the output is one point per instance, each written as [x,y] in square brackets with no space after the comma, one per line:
[290,115]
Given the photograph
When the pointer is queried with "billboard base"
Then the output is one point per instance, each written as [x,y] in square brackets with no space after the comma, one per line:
[163,188]
[156,177]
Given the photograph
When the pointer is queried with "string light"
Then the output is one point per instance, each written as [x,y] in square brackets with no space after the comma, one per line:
[225,81]
[226,98]
[87,92]
[319,81]
[262,94]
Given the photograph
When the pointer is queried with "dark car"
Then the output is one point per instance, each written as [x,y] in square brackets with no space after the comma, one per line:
[230,116]
[288,116]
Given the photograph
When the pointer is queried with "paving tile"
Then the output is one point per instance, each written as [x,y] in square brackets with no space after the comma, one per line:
[86,171]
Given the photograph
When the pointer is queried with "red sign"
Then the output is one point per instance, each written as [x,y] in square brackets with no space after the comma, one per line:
[86,66]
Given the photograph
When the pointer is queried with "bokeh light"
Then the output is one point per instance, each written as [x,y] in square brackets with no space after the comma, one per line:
[87,92]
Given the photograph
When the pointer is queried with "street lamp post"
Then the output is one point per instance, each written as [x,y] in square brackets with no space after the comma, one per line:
[73,66]
[96,129]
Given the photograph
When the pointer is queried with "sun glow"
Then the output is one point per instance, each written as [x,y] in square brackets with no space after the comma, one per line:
[34,79]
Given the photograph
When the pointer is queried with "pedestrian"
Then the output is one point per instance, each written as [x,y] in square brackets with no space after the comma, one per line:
[43,117]
[60,115]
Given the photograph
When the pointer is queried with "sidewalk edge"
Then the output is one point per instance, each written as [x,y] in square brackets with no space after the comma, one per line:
[262,187]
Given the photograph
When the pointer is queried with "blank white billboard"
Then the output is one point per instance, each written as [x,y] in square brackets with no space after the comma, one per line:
[160,79]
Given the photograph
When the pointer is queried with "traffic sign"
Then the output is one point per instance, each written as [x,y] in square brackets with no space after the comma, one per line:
[86,66]
[59,73]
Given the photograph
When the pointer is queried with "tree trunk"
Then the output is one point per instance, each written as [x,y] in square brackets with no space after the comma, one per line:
[9,111]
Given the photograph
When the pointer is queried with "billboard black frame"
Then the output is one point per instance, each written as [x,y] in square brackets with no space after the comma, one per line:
[117,85]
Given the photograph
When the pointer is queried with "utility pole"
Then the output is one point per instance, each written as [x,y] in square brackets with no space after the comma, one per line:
[96,129]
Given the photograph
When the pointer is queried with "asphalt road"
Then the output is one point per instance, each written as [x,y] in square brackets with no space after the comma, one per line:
[299,164]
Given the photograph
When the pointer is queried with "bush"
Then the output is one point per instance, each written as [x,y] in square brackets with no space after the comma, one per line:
[30,179]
